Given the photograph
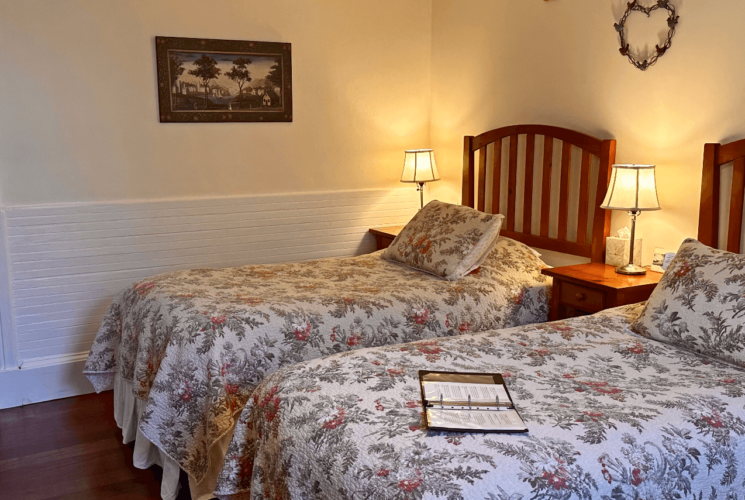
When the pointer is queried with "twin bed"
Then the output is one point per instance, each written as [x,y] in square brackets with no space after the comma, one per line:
[610,413]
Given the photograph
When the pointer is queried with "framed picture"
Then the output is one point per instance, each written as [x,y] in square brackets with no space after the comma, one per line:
[204,80]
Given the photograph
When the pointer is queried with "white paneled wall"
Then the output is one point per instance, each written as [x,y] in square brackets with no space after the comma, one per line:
[66,262]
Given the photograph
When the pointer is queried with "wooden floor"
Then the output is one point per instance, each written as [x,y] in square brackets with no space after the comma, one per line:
[70,449]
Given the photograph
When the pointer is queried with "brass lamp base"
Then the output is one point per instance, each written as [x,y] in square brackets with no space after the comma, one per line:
[631,269]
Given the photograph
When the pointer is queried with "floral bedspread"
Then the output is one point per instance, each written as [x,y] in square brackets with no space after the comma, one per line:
[611,415]
[196,343]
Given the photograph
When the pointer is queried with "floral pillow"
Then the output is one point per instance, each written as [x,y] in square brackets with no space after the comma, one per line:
[446,240]
[699,303]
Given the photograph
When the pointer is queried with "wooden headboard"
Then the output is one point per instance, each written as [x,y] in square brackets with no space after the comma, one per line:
[715,157]
[593,223]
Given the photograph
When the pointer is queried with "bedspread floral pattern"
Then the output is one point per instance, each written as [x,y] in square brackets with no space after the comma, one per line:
[612,416]
[196,343]
[699,303]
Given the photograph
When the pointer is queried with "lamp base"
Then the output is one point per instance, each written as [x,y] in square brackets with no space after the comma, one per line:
[631,269]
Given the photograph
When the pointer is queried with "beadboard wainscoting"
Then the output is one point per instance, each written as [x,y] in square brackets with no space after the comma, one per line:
[63,264]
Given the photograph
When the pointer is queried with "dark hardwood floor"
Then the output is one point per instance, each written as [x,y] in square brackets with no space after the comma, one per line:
[71,449]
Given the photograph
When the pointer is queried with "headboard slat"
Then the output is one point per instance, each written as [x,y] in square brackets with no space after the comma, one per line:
[584,198]
[590,146]
[548,160]
[601,217]
[528,191]
[496,176]
[482,179]
[708,219]
[512,184]
[566,163]
[467,196]
[734,232]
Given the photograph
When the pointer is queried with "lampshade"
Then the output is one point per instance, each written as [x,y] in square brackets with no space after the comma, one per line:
[633,188]
[420,166]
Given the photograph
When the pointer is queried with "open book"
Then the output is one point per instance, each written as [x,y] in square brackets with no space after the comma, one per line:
[480,402]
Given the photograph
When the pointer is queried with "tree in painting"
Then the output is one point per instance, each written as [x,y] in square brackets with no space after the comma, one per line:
[176,68]
[239,74]
[206,70]
[275,75]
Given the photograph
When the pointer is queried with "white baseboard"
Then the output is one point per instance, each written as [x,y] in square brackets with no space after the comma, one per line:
[44,379]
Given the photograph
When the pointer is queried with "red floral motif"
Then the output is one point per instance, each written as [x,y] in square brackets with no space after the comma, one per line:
[413,428]
[601,387]
[302,332]
[420,317]
[379,406]
[383,472]
[453,440]
[465,327]
[218,320]
[413,404]
[541,351]
[186,395]
[375,362]
[430,349]
[395,371]
[714,421]
[728,380]
[447,321]
[335,420]
[506,374]
[353,340]
[231,388]
[637,348]
[568,375]
[594,415]
[558,481]
[409,485]
[636,477]
[270,402]
[518,298]
[683,269]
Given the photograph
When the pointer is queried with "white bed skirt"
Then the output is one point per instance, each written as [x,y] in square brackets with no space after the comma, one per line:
[127,412]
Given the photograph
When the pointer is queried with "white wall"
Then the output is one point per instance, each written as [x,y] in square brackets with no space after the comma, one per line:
[79,105]
[501,62]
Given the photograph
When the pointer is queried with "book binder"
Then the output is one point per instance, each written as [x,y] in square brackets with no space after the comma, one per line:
[475,402]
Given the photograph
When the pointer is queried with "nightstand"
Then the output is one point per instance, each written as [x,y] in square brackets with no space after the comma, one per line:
[384,236]
[590,288]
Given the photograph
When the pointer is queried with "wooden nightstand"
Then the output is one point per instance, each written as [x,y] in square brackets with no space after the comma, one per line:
[590,288]
[384,236]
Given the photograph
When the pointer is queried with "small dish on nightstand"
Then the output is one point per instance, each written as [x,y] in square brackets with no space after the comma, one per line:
[590,288]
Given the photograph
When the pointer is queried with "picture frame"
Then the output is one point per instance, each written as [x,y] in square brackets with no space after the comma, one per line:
[209,80]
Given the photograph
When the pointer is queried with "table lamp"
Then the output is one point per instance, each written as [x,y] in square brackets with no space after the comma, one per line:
[420,167]
[632,188]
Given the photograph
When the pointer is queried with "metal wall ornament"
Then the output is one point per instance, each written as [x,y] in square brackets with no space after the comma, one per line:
[672,22]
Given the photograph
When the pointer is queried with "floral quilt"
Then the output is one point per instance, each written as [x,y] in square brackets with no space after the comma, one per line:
[196,343]
[611,415]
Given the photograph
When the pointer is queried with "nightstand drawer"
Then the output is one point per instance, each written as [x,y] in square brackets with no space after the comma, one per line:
[582,298]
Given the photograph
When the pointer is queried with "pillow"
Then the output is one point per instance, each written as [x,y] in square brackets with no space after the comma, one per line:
[699,303]
[445,240]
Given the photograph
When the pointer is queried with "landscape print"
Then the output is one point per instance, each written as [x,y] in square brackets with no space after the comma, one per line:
[223,80]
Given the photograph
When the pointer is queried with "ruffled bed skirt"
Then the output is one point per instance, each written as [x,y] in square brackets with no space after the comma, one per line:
[127,412]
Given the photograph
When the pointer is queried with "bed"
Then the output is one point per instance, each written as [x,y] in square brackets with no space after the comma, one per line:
[611,414]
[184,351]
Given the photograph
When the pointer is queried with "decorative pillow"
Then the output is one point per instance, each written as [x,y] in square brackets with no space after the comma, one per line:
[446,240]
[699,303]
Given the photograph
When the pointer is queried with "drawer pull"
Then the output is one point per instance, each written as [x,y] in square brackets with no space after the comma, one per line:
[580,296]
